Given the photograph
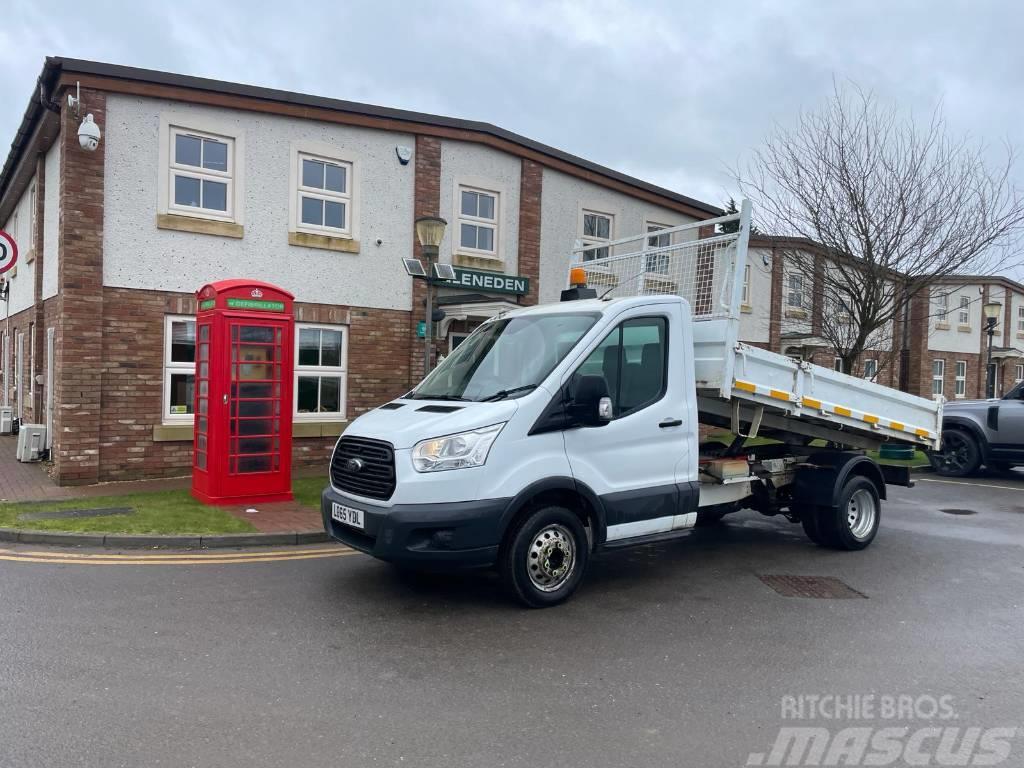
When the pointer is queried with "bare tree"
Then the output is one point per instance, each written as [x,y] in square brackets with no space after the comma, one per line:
[878,208]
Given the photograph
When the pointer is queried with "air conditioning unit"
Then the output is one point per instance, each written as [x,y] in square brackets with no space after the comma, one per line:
[6,419]
[31,442]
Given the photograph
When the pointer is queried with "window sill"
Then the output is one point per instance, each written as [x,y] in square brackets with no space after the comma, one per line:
[963,329]
[182,433]
[491,263]
[323,242]
[798,314]
[746,309]
[942,326]
[1020,334]
[198,226]
[30,256]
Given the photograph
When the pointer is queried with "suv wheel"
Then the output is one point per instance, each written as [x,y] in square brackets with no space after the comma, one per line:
[544,557]
[959,456]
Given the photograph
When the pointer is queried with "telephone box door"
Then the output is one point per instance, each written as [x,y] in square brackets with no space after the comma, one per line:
[257,395]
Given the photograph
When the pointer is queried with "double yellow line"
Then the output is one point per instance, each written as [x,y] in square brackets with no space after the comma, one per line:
[189,558]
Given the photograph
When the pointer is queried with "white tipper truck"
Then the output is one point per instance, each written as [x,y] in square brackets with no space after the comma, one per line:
[556,432]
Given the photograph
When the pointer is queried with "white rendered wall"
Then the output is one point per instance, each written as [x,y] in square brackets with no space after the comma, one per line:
[23,284]
[490,170]
[138,255]
[755,317]
[51,221]
[957,338]
[562,197]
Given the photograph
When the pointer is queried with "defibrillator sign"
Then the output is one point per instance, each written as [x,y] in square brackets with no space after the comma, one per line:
[8,252]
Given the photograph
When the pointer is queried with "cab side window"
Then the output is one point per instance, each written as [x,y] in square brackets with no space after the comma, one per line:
[633,361]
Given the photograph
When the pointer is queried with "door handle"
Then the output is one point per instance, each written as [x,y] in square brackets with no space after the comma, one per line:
[671,423]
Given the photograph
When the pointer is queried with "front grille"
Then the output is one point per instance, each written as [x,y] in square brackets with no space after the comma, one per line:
[375,479]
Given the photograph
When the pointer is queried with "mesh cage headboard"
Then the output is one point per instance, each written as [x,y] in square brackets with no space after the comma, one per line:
[673,261]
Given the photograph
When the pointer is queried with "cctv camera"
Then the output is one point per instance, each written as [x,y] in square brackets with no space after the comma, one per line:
[89,134]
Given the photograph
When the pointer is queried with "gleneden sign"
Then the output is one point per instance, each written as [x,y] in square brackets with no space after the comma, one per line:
[494,282]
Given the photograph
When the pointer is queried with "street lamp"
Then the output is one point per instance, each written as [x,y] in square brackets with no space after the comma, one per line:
[430,232]
[991,311]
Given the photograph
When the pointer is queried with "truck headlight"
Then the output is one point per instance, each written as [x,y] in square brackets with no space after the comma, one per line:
[466,449]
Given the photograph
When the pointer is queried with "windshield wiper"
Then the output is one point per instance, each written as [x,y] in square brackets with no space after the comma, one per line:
[440,397]
[501,394]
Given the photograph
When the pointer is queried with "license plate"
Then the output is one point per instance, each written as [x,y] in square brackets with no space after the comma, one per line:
[347,515]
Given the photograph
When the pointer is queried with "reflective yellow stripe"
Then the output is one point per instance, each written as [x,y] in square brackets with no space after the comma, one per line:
[870,419]
[778,394]
[896,425]
[842,411]
[746,386]
[810,402]
[921,432]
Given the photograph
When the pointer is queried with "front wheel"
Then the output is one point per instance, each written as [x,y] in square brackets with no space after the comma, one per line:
[959,456]
[544,558]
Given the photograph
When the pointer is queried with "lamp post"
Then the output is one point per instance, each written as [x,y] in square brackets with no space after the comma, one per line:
[430,232]
[991,311]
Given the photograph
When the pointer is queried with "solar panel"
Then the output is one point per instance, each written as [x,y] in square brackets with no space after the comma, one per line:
[444,272]
[414,267]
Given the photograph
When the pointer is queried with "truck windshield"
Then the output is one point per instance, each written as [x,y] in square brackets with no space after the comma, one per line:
[505,358]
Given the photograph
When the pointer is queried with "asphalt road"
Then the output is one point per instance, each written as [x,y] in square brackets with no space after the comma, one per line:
[674,655]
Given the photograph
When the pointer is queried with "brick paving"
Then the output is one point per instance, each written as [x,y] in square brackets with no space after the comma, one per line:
[30,482]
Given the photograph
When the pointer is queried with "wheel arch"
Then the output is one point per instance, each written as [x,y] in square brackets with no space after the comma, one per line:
[972,428]
[821,483]
[561,491]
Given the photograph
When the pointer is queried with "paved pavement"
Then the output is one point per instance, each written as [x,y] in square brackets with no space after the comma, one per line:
[672,655]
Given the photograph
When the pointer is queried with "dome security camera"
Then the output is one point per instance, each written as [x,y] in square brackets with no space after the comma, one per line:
[89,134]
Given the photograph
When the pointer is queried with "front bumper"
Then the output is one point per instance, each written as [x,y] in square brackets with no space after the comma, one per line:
[462,534]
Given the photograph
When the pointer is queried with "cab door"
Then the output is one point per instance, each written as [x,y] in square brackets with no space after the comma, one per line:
[630,462]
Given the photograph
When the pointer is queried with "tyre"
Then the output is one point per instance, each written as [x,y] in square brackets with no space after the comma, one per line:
[809,521]
[709,518]
[853,522]
[959,456]
[545,557]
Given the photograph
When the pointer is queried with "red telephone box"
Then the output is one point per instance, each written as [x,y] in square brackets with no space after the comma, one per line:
[242,450]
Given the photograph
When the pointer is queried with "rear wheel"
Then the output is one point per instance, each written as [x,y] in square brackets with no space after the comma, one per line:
[545,557]
[853,522]
[959,456]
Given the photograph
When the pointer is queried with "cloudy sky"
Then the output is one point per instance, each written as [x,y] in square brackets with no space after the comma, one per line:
[673,92]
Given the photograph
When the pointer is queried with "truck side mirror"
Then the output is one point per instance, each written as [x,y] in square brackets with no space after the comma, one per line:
[591,405]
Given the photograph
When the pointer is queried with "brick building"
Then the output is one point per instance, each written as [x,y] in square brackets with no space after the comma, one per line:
[939,348]
[197,180]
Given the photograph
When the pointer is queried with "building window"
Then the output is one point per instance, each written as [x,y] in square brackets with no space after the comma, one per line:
[795,294]
[478,221]
[965,311]
[324,195]
[320,358]
[941,309]
[1018,375]
[870,369]
[938,374]
[179,369]
[32,239]
[837,364]
[1020,319]
[454,339]
[745,298]
[598,229]
[960,389]
[201,173]
[658,262]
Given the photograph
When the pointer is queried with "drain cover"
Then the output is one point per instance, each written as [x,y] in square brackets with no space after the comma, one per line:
[61,514]
[821,587]
[958,511]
